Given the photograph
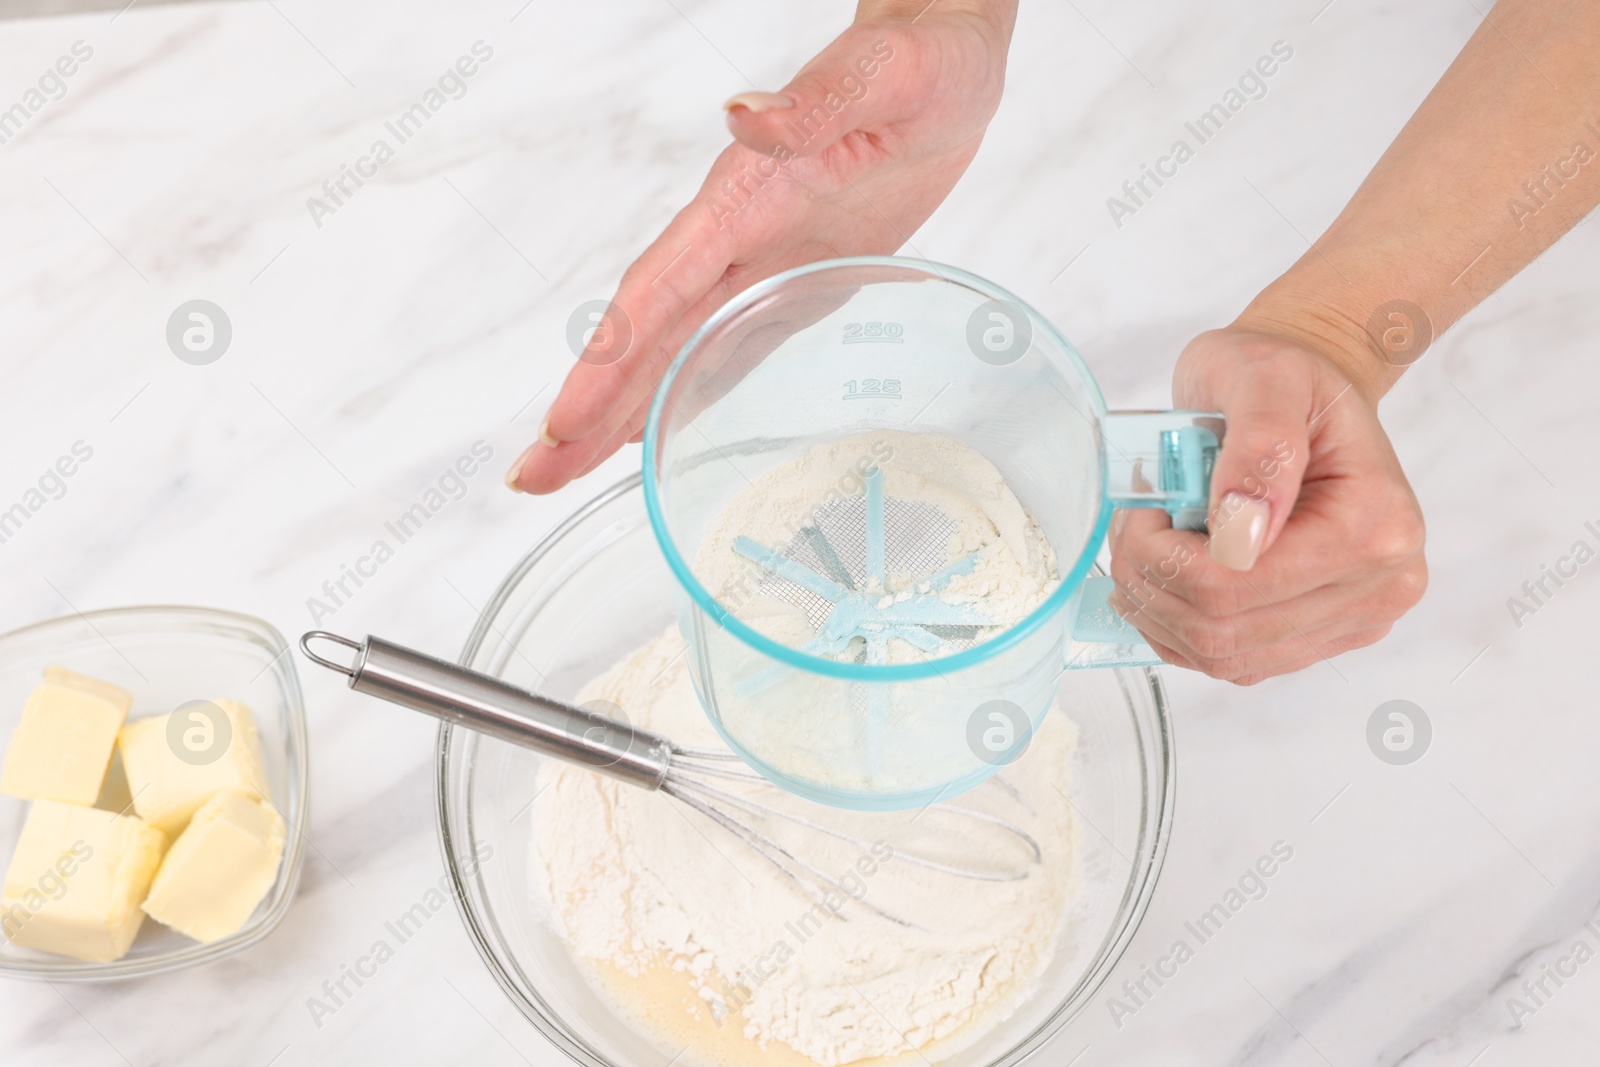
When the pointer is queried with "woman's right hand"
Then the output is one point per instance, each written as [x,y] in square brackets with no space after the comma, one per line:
[1316,539]
[849,159]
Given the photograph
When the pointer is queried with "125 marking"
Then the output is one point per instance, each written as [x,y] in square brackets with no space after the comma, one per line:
[873,389]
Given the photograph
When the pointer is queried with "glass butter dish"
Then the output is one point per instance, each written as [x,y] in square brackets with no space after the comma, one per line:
[166,657]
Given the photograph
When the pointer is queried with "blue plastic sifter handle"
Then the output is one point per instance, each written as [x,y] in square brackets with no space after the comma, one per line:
[1154,459]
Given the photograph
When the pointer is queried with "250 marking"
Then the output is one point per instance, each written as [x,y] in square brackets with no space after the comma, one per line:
[857,333]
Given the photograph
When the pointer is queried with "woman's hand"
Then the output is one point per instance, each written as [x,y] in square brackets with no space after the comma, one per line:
[1321,552]
[848,160]
[1315,543]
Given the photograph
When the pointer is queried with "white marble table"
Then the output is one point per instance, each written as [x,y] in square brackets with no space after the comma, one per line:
[427,313]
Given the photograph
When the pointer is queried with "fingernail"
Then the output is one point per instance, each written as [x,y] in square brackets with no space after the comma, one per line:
[544,436]
[1137,480]
[759,102]
[516,469]
[1237,540]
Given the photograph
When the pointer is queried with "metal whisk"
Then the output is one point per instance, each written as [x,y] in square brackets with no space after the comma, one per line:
[617,748]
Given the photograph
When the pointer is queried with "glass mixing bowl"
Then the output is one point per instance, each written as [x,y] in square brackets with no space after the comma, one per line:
[594,591]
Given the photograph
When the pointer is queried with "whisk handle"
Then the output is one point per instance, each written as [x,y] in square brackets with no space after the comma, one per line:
[490,706]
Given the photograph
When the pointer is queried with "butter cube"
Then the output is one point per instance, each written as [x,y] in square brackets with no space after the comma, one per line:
[175,762]
[76,881]
[62,745]
[219,868]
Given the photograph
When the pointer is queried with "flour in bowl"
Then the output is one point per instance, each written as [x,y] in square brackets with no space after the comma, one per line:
[708,949]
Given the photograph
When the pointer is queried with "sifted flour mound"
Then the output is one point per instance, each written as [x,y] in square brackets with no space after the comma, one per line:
[702,943]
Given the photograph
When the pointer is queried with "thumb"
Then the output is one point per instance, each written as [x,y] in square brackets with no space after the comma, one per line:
[1265,450]
[859,81]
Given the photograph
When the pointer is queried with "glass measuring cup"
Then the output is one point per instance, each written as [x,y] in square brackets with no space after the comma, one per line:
[852,348]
